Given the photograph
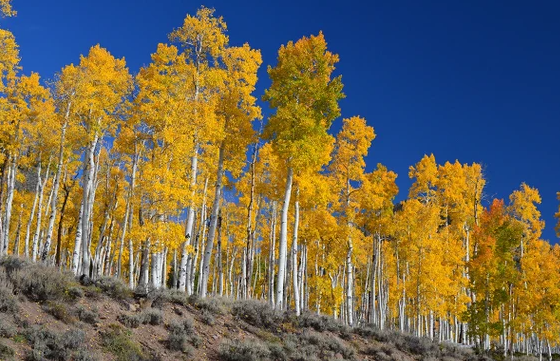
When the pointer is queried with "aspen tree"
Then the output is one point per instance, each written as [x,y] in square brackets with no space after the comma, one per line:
[305,99]
[104,81]
[351,147]
[203,40]
[235,110]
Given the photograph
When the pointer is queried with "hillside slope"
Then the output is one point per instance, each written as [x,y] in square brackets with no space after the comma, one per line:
[49,315]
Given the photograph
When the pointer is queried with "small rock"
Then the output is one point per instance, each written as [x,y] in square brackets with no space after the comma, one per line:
[215,337]
[131,307]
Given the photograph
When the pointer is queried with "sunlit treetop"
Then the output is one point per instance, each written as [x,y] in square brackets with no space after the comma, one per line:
[306,101]
[9,57]
[6,9]
[202,35]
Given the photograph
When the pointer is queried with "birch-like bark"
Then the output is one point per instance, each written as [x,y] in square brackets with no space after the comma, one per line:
[220,265]
[250,210]
[8,208]
[283,242]
[54,200]
[190,221]
[35,249]
[123,236]
[213,224]
[272,255]
[61,225]
[295,256]
[18,233]
[80,259]
[135,161]
[349,264]
[33,208]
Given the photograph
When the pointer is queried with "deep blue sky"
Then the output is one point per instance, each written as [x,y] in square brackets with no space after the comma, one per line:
[477,81]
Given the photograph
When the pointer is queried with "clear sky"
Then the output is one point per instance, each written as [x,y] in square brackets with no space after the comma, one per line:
[477,81]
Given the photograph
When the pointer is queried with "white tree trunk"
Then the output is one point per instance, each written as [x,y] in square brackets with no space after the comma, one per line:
[35,250]
[135,161]
[213,224]
[295,257]
[189,228]
[54,199]
[283,242]
[272,255]
[78,243]
[8,211]
[83,234]
[33,208]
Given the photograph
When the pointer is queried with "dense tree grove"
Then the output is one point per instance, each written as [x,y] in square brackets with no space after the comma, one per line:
[170,178]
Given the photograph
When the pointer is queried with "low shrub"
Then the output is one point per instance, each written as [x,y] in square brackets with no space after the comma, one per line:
[195,340]
[7,328]
[180,333]
[247,350]
[130,321]
[75,292]
[59,311]
[6,352]
[319,323]
[257,313]
[207,318]
[117,341]
[8,302]
[152,316]
[163,296]
[84,355]
[41,283]
[277,352]
[525,358]
[114,288]
[88,316]
[46,344]
[13,263]
[212,305]
[326,346]
[456,351]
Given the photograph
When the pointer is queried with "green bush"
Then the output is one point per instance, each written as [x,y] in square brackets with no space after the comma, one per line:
[46,344]
[117,341]
[163,296]
[59,311]
[114,288]
[6,352]
[277,352]
[257,313]
[130,321]
[152,316]
[212,305]
[84,355]
[88,316]
[180,333]
[75,292]
[42,283]
[8,302]
[207,318]
[13,263]
[7,328]
[247,350]
[326,346]
[320,323]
